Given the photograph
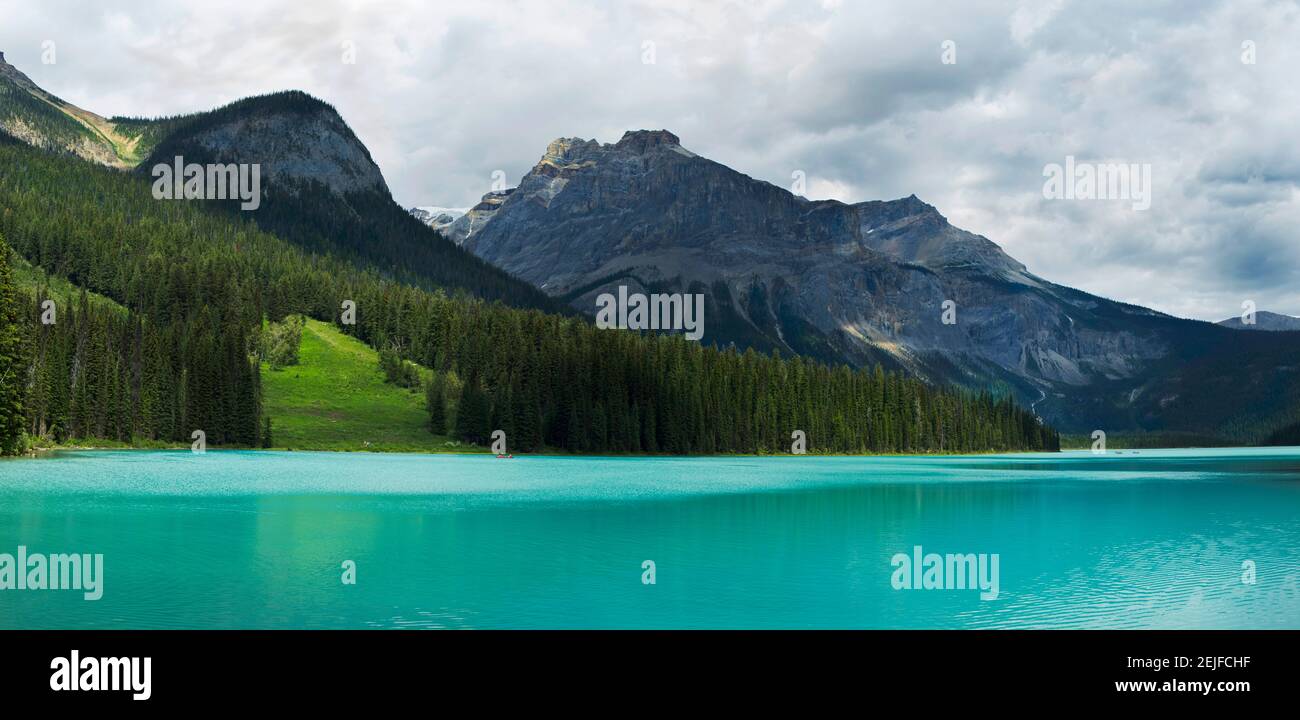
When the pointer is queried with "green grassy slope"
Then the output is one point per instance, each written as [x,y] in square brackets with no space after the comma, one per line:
[335,398]
[31,279]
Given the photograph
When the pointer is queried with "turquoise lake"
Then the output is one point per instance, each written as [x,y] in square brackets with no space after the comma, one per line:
[233,539]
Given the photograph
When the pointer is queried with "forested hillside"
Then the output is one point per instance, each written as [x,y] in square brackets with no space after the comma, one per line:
[341,206]
[42,123]
[197,283]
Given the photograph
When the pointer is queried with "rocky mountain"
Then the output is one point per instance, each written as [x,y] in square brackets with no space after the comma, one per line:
[297,140]
[294,137]
[323,191]
[861,283]
[1265,320]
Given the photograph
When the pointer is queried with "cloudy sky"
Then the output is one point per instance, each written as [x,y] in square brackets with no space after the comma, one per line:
[857,95]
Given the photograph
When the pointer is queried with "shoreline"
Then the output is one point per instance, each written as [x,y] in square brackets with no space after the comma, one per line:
[37,453]
[85,448]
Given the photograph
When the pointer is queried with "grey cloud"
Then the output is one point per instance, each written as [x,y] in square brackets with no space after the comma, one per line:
[852,93]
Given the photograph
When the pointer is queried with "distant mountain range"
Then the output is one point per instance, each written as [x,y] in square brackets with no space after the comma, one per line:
[867,283]
[1265,320]
[438,218]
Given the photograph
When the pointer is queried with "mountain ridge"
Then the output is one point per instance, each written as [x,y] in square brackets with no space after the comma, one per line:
[40,118]
[859,282]
[863,283]
[295,137]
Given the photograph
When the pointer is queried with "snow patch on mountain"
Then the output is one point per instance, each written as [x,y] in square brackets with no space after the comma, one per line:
[437,217]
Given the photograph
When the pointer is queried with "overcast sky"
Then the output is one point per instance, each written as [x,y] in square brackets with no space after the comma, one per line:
[854,94]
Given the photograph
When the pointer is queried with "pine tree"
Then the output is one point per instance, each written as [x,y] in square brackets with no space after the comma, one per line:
[436,400]
[503,412]
[528,420]
[472,419]
[13,359]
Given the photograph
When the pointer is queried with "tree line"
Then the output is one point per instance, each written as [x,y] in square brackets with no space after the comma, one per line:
[96,372]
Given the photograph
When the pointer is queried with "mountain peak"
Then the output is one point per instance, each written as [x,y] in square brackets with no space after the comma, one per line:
[558,152]
[14,74]
[296,138]
[640,141]
[1264,320]
[916,204]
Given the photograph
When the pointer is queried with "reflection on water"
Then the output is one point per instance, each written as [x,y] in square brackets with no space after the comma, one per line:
[256,540]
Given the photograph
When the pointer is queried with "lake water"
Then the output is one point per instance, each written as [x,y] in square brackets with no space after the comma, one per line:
[232,539]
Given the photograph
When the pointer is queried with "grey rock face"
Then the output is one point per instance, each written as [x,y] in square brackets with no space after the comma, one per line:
[473,220]
[313,146]
[850,282]
[16,76]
